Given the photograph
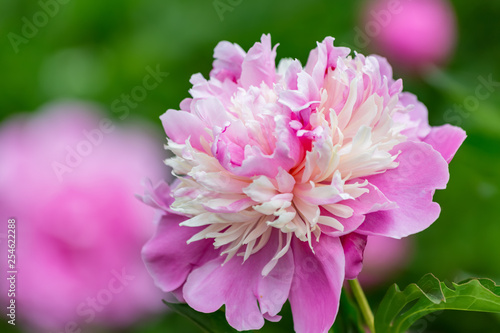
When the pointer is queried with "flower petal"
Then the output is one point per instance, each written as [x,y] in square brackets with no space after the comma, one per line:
[228,60]
[239,285]
[317,284]
[354,246]
[411,186]
[323,57]
[446,140]
[259,64]
[181,125]
[168,257]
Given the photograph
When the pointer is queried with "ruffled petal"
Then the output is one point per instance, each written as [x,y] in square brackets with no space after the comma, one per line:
[259,64]
[417,117]
[317,284]
[210,111]
[306,94]
[323,57]
[354,246]
[411,186]
[228,60]
[241,287]
[168,257]
[157,196]
[181,125]
[446,140]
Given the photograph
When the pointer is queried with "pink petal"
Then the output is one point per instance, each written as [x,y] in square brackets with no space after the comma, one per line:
[418,115]
[324,57]
[181,125]
[258,163]
[446,140]
[202,88]
[240,285]
[291,75]
[317,63]
[210,111]
[169,258]
[158,196]
[370,202]
[350,224]
[228,148]
[411,186]
[259,64]
[354,246]
[306,94]
[228,60]
[317,284]
[385,67]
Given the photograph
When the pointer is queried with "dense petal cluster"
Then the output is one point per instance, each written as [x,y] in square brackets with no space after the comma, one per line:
[282,173]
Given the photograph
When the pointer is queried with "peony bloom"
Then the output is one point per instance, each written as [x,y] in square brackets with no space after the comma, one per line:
[68,177]
[412,33]
[383,257]
[281,176]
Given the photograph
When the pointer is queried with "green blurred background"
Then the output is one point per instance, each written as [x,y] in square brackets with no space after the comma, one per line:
[99,50]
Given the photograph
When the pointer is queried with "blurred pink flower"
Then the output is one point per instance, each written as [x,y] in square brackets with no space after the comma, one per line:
[412,33]
[383,257]
[68,177]
[282,174]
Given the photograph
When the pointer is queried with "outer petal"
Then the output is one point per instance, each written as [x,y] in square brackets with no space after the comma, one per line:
[228,60]
[385,67]
[181,125]
[418,116]
[169,259]
[446,140]
[354,246]
[411,185]
[158,196]
[259,64]
[240,285]
[317,284]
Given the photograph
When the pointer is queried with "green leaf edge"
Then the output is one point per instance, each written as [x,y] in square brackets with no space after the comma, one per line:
[431,295]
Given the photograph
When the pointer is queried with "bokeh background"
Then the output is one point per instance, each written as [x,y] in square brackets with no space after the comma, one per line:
[99,50]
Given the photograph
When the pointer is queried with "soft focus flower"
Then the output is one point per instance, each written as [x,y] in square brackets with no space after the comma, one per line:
[412,33]
[383,257]
[281,175]
[68,177]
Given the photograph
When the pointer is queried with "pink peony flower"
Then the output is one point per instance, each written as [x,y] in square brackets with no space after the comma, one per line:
[383,257]
[68,178]
[281,176]
[412,33]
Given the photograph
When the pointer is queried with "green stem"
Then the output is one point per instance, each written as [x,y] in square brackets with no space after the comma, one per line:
[360,297]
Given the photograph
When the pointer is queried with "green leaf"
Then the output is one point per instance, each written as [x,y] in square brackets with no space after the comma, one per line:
[400,309]
[209,322]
